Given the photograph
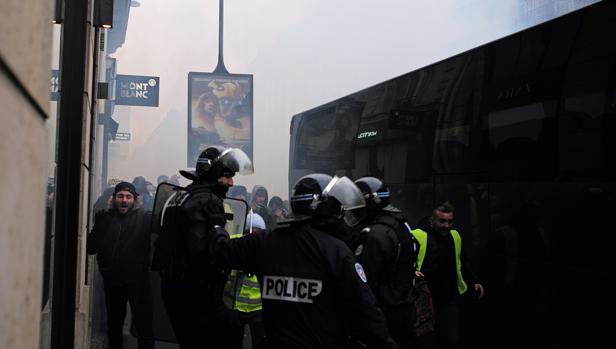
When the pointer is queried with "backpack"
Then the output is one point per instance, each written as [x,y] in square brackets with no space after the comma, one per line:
[401,275]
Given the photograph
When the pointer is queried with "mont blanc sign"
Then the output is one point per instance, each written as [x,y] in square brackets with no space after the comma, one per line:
[137,90]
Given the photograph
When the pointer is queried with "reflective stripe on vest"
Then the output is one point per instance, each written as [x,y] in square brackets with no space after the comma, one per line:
[242,293]
[422,238]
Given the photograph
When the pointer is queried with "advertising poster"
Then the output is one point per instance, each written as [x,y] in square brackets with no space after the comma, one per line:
[219,112]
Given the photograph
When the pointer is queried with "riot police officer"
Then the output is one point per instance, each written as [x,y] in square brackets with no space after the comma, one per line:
[190,286]
[388,252]
[314,293]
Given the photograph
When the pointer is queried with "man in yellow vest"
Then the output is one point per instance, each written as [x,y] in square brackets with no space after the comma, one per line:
[440,262]
[243,295]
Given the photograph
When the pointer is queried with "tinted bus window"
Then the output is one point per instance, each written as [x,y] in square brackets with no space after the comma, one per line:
[327,137]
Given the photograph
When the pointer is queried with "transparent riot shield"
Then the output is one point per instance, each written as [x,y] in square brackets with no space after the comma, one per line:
[168,198]
[236,211]
[164,192]
[166,195]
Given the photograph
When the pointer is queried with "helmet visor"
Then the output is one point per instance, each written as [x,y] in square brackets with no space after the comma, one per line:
[236,160]
[346,192]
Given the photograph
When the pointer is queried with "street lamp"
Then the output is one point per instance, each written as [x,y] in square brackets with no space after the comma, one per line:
[103,14]
[57,13]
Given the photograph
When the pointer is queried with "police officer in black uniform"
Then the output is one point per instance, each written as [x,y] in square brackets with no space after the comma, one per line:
[314,293]
[191,287]
[388,252]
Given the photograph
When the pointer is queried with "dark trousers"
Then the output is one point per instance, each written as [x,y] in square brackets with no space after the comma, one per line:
[400,320]
[447,323]
[139,297]
[257,330]
[198,317]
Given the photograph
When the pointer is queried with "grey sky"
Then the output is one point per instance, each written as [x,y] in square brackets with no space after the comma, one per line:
[302,53]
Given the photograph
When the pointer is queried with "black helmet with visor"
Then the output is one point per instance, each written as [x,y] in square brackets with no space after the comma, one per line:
[375,192]
[215,162]
[323,197]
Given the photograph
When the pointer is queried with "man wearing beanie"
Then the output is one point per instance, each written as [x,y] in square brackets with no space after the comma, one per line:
[191,286]
[121,240]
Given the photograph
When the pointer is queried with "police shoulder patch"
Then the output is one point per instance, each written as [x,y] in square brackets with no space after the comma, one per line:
[360,272]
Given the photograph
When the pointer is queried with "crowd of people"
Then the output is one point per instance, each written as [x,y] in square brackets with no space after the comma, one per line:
[273,210]
[336,267]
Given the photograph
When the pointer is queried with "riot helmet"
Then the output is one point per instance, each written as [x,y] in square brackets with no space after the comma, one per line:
[321,196]
[215,162]
[375,192]
[307,190]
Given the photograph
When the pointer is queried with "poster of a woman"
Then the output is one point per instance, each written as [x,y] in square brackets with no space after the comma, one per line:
[220,112]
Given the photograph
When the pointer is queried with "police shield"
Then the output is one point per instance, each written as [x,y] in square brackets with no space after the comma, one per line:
[168,197]
[164,193]
[236,211]
[161,327]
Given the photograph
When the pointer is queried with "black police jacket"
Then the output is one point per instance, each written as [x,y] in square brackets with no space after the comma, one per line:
[313,291]
[121,242]
[388,252]
[181,250]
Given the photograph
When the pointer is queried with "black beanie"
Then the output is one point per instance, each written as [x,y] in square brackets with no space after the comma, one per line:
[125,186]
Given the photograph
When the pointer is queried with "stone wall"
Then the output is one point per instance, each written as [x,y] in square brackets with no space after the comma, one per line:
[25,48]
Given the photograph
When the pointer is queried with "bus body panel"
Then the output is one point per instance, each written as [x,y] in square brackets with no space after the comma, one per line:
[519,136]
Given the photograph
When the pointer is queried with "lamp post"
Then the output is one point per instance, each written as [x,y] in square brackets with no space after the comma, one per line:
[220,67]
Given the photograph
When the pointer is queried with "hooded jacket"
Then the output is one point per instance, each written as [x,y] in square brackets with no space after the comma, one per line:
[262,209]
[253,195]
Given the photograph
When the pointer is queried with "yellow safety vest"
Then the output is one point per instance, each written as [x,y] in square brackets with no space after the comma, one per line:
[242,292]
[422,238]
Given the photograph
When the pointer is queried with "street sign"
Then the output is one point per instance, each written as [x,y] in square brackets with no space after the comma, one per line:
[54,84]
[122,136]
[137,90]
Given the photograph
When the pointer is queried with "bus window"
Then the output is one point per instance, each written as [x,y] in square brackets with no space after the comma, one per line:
[522,141]
[456,141]
[327,137]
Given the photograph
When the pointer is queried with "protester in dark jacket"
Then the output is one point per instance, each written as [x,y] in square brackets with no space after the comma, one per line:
[141,185]
[121,240]
[238,192]
[277,209]
[258,203]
